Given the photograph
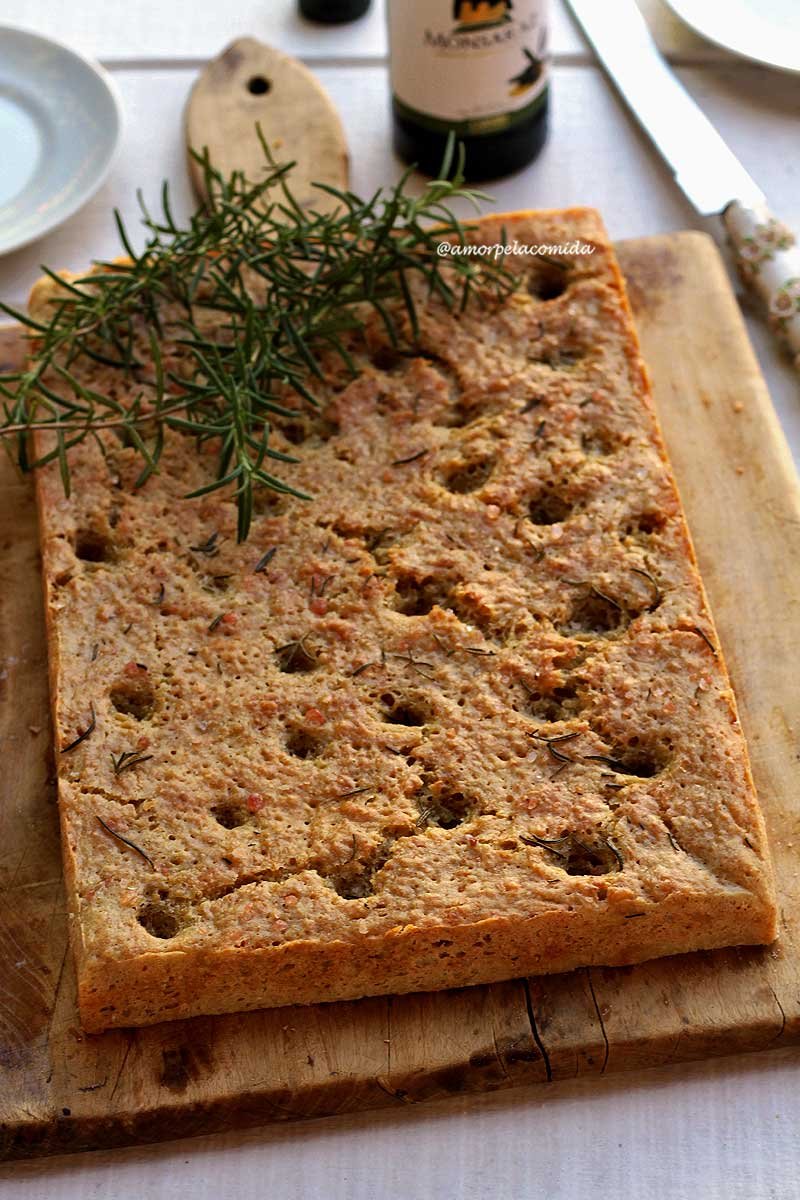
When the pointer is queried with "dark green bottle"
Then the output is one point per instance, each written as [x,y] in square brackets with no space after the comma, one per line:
[475,67]
[333,12]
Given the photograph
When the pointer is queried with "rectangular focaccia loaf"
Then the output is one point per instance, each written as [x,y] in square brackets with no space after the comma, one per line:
[468,719]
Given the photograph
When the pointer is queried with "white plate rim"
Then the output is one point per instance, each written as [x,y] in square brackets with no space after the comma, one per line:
[683,9]
[93,185]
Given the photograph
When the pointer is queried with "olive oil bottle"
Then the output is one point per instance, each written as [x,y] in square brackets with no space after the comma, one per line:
[333,12]
[476,67]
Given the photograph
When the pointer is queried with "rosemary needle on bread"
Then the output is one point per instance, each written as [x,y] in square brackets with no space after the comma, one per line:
[250,291]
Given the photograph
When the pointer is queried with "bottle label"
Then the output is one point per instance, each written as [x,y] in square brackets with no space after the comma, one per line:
[476,66]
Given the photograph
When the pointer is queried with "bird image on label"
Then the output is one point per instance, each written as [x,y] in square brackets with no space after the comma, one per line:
[529,76]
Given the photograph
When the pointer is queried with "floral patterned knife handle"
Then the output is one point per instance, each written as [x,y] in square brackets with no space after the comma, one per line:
[768,259]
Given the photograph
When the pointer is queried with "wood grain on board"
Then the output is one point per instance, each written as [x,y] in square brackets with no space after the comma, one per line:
[62,1090]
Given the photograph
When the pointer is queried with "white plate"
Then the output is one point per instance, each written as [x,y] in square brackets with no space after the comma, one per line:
[60,122]
[766,31]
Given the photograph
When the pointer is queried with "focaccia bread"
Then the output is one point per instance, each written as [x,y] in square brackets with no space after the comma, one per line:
[461,717]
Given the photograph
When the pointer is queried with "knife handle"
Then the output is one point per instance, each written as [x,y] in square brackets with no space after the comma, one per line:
[768,260]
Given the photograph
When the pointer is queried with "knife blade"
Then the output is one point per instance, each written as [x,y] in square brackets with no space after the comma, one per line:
[706,170]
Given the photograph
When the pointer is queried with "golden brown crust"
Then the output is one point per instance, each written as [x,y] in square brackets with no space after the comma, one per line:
[469,722]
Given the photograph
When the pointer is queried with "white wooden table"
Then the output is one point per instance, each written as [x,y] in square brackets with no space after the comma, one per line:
[719,1131]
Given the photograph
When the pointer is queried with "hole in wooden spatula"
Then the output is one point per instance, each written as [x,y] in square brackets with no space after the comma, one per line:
[258,85]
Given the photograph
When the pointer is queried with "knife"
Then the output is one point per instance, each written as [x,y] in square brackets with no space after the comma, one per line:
[709,174]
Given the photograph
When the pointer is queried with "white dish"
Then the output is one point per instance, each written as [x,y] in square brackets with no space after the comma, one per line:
[766,31]
[60,123]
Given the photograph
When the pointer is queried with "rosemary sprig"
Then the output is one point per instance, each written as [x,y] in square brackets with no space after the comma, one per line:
[246,295]
[702,634]
[126,760]
[296,654]
[210,547]
[654,584]
[553,742]
[401,462]
[416,664]
[126,842]
[551,844]
[265,560]
[85,733]
[364,666]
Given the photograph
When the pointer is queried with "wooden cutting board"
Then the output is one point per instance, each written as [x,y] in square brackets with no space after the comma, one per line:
[62,1090]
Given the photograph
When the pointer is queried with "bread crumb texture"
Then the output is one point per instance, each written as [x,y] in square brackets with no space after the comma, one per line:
[460,717]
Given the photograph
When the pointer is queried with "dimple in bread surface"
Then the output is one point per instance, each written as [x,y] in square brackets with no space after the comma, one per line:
[468,721]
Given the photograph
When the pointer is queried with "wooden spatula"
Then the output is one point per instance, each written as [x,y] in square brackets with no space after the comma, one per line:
[249,83]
